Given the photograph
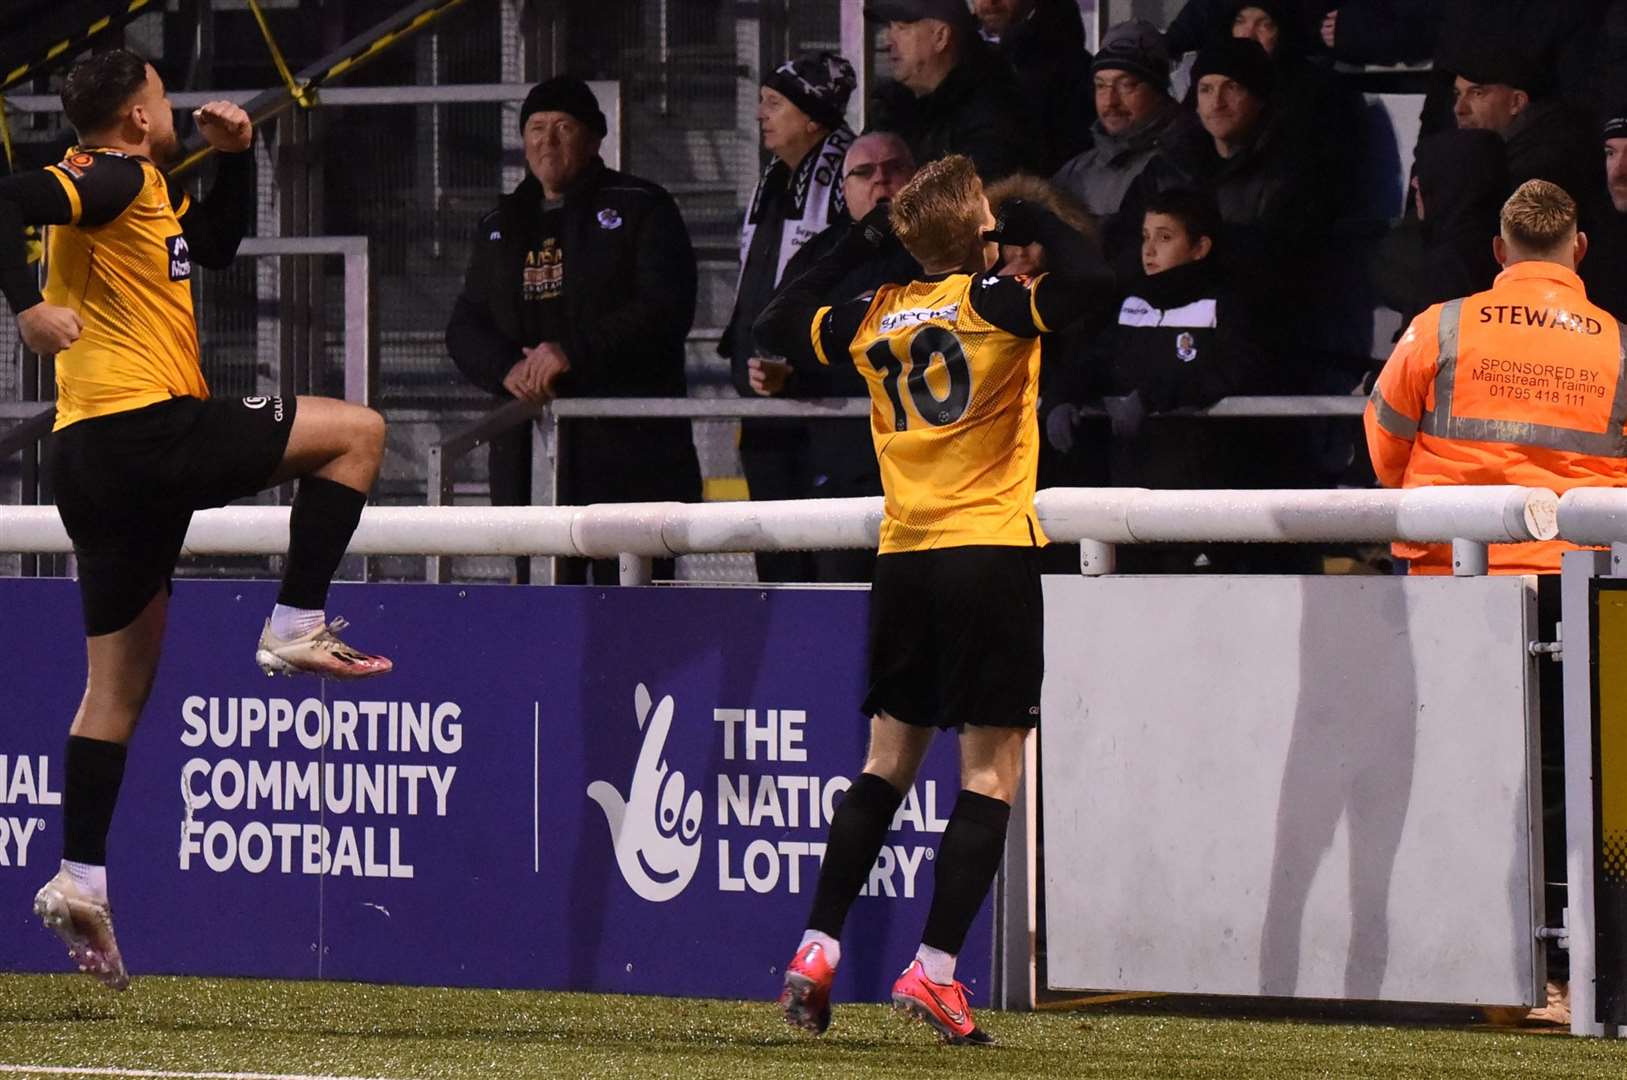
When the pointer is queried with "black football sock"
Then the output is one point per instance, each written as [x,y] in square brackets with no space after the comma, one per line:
[93,771]
[968,857]
[320,525]
[856,833]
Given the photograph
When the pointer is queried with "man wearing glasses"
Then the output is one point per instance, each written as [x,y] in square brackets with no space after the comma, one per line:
[1135,116]
[842,461]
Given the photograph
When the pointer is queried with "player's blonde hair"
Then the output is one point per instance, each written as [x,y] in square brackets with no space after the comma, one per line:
[938,216]
[1539,218]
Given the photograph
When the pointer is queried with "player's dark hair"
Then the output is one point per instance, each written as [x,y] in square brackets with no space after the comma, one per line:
[1196,212]
[99,86]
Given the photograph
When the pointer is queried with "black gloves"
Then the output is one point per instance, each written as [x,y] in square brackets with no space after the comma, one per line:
[1021,223]
[876,227]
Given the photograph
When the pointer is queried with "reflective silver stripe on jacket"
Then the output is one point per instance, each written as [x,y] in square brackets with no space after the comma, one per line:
[1392,419]
[1442,423]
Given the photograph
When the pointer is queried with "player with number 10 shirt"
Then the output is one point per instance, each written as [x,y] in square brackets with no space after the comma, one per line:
[956,619]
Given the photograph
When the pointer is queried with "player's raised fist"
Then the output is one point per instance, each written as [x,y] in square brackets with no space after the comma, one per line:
[47,329]
[224,126]
[1021,222]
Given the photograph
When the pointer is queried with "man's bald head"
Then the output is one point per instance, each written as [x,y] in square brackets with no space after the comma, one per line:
[876,167]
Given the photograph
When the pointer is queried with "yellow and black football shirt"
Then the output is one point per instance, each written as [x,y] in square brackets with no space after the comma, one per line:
[952,365]
[120,247]
[122,262]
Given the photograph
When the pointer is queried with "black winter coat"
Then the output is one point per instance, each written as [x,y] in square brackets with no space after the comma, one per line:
[1557,141]
[1610,61]
[1273,204]
[1182,339]
[1605,269]
[629,289]
[629,302]
[1387,31]
[1463,176]
[1047,52]
[977,111]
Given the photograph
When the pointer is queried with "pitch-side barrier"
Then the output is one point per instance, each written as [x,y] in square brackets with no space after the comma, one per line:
[640,532]
[1317,787]
[552,424]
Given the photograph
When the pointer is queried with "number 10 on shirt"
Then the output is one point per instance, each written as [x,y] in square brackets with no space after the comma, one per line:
[927,343]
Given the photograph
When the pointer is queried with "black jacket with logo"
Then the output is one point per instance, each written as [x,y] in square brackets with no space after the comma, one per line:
[1182,339]
[629,301]
[629,289]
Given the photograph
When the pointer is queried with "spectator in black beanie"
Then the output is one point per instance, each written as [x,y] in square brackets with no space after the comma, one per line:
[1135,115]
[581,283]
[801,114]
[1232,82]
[1309,101]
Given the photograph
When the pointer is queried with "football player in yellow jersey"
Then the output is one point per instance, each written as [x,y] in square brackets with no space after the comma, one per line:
[140,445]
[956,626]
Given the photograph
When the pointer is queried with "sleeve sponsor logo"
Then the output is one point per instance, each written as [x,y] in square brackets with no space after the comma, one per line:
[180,258]
[75,165]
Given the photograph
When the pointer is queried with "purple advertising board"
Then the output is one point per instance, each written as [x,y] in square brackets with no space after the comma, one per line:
[558,788]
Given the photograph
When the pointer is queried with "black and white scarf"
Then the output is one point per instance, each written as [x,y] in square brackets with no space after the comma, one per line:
[816,199]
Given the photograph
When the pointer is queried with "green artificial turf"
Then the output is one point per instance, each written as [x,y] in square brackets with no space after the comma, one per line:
[331,1029]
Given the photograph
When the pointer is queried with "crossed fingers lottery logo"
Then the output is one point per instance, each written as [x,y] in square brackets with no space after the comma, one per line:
[655,828]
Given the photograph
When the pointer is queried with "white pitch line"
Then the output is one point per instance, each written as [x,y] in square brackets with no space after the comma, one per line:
[68,1070]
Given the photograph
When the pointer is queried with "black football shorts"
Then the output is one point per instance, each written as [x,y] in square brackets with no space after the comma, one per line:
[957,637]
[126,486]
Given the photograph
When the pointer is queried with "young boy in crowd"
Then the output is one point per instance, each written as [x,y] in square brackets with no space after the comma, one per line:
[1183,338]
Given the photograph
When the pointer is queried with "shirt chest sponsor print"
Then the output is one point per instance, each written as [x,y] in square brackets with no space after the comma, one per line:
[544,276]
[180,258]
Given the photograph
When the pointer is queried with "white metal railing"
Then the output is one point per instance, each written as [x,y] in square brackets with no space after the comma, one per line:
[360,344]
[1594,515]
[1098,518]
[549,432]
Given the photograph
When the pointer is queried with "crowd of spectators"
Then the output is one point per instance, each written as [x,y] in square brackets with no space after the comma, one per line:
[1233,174]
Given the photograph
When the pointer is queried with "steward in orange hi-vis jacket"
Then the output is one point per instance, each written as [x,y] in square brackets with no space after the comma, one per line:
[1523,384]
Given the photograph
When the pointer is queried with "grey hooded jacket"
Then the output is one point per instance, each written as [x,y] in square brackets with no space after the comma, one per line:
[1100,176]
